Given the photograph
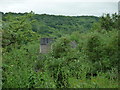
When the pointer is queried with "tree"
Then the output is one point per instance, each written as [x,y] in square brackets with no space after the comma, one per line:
[109,22]
[17,30]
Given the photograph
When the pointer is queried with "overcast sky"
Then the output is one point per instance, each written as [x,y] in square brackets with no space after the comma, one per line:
[61,7]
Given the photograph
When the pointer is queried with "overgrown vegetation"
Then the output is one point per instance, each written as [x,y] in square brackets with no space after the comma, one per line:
[93,63]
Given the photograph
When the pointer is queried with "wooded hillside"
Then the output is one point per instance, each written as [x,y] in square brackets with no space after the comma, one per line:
[93,63]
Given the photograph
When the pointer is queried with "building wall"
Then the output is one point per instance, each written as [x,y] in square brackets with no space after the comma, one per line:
[46,45]
[45,48]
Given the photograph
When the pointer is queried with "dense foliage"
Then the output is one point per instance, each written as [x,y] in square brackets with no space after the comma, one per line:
[92,63]
[51,24]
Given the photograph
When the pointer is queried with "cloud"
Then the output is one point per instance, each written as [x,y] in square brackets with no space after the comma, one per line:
[62,7]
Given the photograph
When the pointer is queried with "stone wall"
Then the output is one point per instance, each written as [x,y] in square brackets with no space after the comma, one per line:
[45,48]
[45,45]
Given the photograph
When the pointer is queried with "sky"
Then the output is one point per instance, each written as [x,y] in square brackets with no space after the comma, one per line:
[61,7]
